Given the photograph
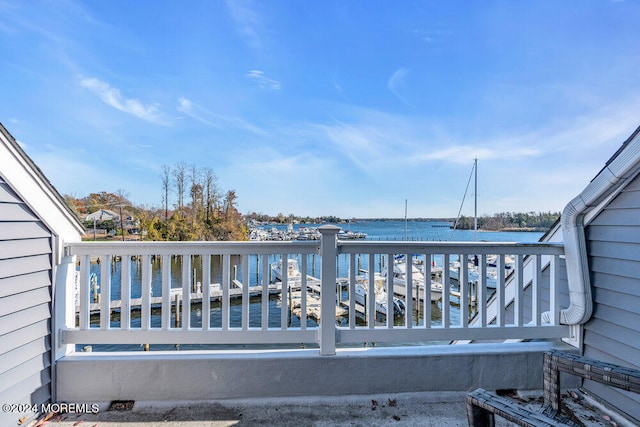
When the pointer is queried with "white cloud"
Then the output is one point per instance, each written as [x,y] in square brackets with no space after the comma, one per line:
[203,115]
[338,88]
[466,153]
[263,81]
[247,21]
[396,80]
[112,97]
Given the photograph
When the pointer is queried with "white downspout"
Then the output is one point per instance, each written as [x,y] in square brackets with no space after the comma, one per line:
[623,166]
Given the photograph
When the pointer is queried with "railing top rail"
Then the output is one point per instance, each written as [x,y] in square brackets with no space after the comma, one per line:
[192,248]
[393,247]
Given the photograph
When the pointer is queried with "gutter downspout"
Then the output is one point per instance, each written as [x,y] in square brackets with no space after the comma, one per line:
[623,166]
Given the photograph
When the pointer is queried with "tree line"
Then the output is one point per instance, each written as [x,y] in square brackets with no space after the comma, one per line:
[193,208]
[291,218]
[539,221]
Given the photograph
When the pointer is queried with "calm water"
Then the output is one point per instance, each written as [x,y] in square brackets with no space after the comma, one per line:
[376,230]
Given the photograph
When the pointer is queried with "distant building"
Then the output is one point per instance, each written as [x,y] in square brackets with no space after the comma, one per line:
[103,215]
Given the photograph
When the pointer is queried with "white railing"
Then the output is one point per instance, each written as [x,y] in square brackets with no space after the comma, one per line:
[129,293]
[513,314]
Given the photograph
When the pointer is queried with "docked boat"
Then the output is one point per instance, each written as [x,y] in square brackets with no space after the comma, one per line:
[293,271]
[491,271]
[473,274]
[417,279]
[351,235]
[380,294]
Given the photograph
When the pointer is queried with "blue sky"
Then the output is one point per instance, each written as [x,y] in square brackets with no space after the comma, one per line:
[325,107]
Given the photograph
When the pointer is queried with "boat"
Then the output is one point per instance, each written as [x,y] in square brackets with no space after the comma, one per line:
[417,278]
[308,233]
[293,271]
[380,293]
[473,275]
[474,271]
[361,287]
[351,235]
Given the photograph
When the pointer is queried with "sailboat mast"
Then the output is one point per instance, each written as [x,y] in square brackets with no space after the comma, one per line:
[475,204]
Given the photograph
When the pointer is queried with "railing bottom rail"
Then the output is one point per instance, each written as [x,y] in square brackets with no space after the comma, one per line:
[401,334]
[269,336]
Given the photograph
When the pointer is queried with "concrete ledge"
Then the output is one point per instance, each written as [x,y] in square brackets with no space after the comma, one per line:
[212,375]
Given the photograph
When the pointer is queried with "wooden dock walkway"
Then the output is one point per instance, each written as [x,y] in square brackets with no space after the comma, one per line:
[195,297]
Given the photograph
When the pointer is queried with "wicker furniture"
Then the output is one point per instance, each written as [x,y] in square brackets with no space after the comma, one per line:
[482,406]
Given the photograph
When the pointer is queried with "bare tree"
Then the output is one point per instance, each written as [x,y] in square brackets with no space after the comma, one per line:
[211,192]
[166,180]
[196,192]
[180,178]
[123,196]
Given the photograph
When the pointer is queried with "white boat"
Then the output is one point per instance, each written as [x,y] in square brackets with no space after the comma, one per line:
[361,288]
[417,278]
[293,271]
[380,294]
[473,275]
[294,275]
[474,271]
[351,235]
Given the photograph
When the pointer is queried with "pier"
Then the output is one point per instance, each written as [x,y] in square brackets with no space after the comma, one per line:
[196,297]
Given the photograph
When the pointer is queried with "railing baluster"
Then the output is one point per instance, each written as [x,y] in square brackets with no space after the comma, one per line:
[284,307]
[226,267]
[370,294]
[518,302]
[500,318]
[265,293]
[390,288]
[408,294]
[145,288]
[482,289]
[166,292]
[125,282]
[536,291]
[206,291]
[352,291]
[554,297]
[83,302]
[303,293]
[186,292]
[463,287]
[446,292]
[105,292]
[245,292]
[427,291]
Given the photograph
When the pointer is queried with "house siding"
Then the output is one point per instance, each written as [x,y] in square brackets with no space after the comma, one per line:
[527,295]
[612,334]
[545,297]
[25,305]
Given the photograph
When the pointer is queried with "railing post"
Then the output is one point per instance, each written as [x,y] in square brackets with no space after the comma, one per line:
[328,251]
[64,316]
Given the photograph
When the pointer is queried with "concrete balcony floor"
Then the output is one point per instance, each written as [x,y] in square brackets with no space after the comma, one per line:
[410,409]
[404,409]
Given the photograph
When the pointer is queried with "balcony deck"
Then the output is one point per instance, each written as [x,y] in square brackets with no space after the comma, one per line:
[423,409]
[398,355]
[399,409]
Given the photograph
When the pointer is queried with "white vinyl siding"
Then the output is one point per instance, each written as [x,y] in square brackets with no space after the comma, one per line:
[612,334]
[25,305]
